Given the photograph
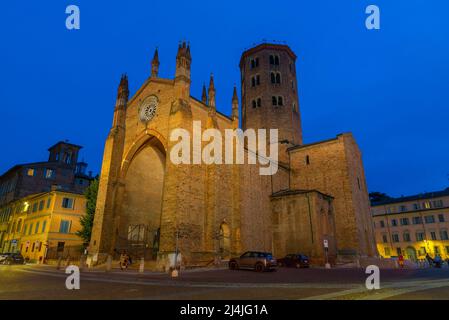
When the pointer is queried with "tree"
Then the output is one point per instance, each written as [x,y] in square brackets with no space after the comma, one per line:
[378,196]
[87,221]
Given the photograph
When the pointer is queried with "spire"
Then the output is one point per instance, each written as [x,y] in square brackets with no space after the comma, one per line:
[155,64]
[211,91]
[120,104]
[183,61]
[235,104]
[123,91]
[204,95]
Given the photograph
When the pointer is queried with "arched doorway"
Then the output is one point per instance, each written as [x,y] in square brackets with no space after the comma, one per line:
[225,241]
[140,210]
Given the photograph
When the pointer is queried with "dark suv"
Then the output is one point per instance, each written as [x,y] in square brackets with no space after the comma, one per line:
[294,260]
[259,261]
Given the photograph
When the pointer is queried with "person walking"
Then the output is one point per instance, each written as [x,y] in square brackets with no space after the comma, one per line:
[123,261]
[429,260]
[401,261]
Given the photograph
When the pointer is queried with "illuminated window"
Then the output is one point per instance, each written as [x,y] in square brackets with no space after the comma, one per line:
[387,251]
[49,173]
[30,172]
[426,205]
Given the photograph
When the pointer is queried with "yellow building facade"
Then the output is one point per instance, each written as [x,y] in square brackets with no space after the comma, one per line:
[413,226]
[43,225]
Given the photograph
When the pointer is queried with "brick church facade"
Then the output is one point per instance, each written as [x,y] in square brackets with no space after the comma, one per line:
[207,210]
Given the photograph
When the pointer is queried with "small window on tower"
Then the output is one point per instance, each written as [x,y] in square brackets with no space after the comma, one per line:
[278,78]
[280,101]
[257,62]
[276,60]
[253,82]
[257,80]
[307,160]
[273,78]
[274,101]
[254,103]
[259,102]
[253,64]
[271,59]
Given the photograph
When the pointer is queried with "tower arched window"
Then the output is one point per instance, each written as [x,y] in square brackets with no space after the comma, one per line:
[254,103]
[273,77]
[276,60]
[253,82]
[257,80]
[271,59]
[274,100]
[259,102]
[280,101]
[278,77]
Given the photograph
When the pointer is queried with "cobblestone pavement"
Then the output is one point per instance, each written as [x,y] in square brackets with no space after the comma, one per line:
[42,282]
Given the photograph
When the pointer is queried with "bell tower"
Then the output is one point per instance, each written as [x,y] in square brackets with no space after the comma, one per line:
[269,93]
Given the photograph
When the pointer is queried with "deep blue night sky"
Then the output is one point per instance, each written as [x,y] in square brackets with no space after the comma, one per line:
[389,87]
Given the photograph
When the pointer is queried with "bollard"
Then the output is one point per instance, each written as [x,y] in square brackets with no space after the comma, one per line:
[109,263]
[58,265]
[142,265]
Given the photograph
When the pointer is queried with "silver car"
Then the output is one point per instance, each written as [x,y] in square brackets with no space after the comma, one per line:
[256,260]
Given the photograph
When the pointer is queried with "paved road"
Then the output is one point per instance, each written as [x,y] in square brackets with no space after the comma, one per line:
[40,282]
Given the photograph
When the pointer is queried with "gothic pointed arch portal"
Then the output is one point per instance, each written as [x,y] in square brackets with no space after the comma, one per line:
[141,206]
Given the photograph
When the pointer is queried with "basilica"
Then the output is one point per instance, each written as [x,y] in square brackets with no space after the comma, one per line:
[315,203]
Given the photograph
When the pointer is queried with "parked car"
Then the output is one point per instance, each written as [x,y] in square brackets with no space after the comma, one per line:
[259,261]
[3,256]
[14,258]
[295,261]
